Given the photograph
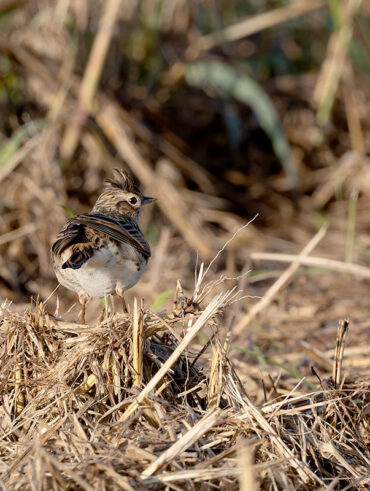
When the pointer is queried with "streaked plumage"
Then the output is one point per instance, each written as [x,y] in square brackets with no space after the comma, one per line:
[104,251]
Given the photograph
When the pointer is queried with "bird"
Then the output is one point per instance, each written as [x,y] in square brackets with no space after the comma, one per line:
[104,252]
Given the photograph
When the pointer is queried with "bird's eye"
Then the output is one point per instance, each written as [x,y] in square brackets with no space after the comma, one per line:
[132,200]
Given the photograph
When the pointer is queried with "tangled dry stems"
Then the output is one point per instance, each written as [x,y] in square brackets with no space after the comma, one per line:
[68,416]
[66,422]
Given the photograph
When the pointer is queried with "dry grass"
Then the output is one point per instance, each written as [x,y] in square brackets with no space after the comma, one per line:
[200,203]
[97,406]
[209,393]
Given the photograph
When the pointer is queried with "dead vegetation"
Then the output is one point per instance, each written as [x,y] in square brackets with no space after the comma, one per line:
[125,404]
[215,390]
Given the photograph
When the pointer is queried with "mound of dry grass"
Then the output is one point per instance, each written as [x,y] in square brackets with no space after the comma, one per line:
[129,403]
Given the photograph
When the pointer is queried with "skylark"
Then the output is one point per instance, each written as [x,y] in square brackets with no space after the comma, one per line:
[104,252]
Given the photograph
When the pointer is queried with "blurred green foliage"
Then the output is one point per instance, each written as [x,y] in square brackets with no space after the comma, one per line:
[162,297]
[227,83]
[158,34]
[11,145]
[264,359]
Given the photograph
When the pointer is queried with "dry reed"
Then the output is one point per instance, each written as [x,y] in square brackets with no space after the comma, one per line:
[106,406]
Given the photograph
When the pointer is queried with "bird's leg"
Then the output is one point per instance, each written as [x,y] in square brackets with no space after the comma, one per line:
[124,306]
[83,298]
[104,310]
[112,306]
[120,293]
[101,316]
[83,311]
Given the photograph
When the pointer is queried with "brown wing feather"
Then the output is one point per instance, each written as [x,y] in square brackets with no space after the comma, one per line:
[123,230]
[70,234]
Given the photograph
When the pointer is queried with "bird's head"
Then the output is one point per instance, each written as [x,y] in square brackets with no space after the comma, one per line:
[121,195]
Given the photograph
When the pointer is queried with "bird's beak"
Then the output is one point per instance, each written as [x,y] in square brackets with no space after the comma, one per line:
[148,199]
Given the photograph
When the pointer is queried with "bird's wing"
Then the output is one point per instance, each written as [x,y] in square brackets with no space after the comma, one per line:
[70,234]
[73,237]
[80,254]
[124,229]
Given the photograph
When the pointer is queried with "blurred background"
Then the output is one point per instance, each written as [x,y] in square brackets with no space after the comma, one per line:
[222,110]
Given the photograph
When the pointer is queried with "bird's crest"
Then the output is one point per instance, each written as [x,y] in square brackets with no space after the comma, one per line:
[122,180]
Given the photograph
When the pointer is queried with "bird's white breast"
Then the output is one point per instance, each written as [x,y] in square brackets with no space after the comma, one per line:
[106,270]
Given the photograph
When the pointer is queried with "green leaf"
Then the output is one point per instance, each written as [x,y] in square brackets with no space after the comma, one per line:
[229,82]
[319,219]
[335,10]
[292,371]
[105,303]
[8,148]
[68,211]
[162,297]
